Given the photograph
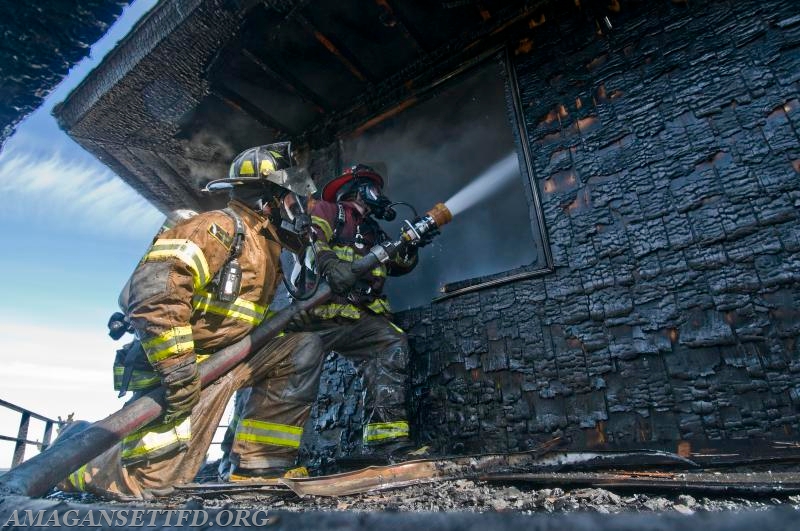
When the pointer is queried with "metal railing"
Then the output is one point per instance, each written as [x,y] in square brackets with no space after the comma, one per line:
[21,440]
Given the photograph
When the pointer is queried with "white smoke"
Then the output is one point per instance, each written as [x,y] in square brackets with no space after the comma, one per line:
[432,151]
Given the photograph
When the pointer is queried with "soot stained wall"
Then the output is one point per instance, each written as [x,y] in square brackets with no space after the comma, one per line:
[668,157]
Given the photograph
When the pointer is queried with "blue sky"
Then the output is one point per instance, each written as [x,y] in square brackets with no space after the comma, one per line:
[71,234]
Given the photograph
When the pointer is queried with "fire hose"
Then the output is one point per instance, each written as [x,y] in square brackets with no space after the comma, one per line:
[36,476]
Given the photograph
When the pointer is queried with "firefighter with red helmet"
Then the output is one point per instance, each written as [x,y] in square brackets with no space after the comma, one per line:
[356,322]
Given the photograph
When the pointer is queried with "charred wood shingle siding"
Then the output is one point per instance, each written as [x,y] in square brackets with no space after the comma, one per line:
[668,157]
[41,42]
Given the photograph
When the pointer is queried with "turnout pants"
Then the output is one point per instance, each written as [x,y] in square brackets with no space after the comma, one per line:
[284,376]
[380,348]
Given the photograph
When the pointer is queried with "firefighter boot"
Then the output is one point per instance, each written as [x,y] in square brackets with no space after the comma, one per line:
[382,455]
[75,481]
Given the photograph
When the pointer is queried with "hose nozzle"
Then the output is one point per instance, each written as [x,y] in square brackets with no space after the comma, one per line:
[433,219]
[412,234]
[440,214]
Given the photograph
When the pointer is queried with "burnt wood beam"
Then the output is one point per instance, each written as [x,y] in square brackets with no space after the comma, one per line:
[455,55]
[145,188]
[392,19]
[343,57]
[287,9]
[453,4]
[288,82]
[235,101]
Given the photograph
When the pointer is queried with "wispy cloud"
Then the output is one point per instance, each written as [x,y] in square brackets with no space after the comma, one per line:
[74,191]
[55,370]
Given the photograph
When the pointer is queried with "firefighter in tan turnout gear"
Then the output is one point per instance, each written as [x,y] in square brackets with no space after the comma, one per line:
[203,285]
[357,323]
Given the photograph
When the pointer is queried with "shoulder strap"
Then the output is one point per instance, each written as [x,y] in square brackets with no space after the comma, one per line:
[340,220]
[238,238]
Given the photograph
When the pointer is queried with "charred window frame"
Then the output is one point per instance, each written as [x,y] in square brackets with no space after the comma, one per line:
[510,101]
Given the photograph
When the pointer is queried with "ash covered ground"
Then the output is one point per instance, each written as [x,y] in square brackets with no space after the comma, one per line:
[473,496]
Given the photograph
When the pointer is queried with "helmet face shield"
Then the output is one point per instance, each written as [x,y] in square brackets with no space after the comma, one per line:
[370,192]
[295,179]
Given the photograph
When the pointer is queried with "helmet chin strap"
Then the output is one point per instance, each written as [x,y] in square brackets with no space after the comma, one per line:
[258,196]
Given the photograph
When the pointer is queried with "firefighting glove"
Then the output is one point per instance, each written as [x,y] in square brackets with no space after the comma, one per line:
[300,321]
[182,391]
[408,255]
[340,276]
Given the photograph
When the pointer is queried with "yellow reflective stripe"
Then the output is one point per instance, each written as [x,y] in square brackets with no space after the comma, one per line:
[348,254]
[324,226]
[143,382]
[118,372]
[329,311]
[174,341]
[379,306]
[400,330]
[239,309]
[78,479]
[187,252]
[259,431]
[321,246]
[154,438]
[265,167]
[139,379]
[344,253]
[379,431]
[144,379]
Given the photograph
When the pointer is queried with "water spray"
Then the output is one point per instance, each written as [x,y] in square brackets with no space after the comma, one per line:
[489,182]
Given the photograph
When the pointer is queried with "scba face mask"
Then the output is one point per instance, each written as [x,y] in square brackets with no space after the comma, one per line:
[292,223]
[379,204]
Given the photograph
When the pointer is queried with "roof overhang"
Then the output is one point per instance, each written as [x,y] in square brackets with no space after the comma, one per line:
[197,81]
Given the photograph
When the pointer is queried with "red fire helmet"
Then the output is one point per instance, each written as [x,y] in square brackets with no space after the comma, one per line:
[359,171]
